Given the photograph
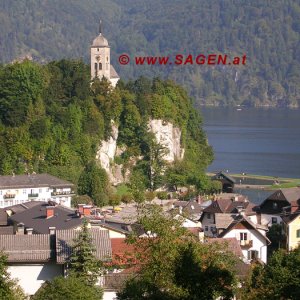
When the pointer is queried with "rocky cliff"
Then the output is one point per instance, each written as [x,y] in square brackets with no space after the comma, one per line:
[168,136]
[165,133]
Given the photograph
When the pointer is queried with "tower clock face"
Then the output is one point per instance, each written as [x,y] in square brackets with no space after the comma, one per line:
[98,58]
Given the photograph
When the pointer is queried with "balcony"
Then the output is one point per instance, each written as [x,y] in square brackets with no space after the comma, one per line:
[62,193]
[246,243]
[33,195]
[9,196]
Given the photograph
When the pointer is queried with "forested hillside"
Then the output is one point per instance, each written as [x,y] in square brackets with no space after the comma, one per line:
[266,31]
[53,120]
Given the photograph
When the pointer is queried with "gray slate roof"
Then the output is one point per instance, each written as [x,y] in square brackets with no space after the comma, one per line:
[223,220]
[33,180]
[18,208]
[113,72]
[224,175]
[288,194]
[3,217]
[6,230]
[35,217]
[22,248]
[44,247]
[64,243]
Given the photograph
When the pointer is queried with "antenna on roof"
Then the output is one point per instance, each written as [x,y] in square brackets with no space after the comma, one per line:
[100,27]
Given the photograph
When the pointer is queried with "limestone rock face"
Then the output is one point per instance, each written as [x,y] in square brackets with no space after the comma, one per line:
[107,150]
[106,154]
[165,133]
[168,136]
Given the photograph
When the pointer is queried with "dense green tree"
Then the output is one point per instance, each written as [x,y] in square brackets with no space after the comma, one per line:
[21,84]
[276,236]
[279,279]
[71,287]
[174,265]
[94,182]
[63,119]
[82,263]
[268,33]
[114,200]
[9,289]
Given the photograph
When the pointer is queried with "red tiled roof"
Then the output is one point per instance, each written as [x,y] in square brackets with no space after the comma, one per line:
[194,230]
[122,253]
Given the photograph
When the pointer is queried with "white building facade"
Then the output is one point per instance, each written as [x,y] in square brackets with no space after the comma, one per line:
[18,189]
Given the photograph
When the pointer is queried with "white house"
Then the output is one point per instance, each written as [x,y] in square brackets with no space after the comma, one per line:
[35,258]
[18,189]
[252,237]
[223,209]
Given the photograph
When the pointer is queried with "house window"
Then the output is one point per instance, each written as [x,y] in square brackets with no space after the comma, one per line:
[100,66]
[274,220]
[206,228]
[243,236]
[298,233]
[1,192]
[208,216]
[24,191]
[275,205]
[252,254]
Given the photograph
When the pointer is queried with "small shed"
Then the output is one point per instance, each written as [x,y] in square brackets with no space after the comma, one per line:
[226,180]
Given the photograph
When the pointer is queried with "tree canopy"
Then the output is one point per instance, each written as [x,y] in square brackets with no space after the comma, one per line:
[267,32]
[9,289]
[82,262]
[279,279]
[173,264]
[71,287]
[53,120]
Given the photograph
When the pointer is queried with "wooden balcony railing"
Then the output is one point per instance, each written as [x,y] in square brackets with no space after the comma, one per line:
[246,243]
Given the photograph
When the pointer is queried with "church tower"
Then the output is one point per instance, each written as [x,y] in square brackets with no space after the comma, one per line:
[100,59]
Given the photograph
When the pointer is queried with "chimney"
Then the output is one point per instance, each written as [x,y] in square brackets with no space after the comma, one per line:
[87,210]
[241,210]
[49,212]
[201,236]
[29,231]
[80,208]
[294,208]
[199,199]
[20,229]
[52,230]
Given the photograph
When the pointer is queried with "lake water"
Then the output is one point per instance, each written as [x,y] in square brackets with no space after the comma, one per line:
[254,141]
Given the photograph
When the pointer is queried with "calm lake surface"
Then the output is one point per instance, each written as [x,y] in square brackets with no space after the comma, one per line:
[254,141]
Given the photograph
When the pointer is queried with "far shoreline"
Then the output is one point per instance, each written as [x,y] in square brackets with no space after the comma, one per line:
[261,182]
